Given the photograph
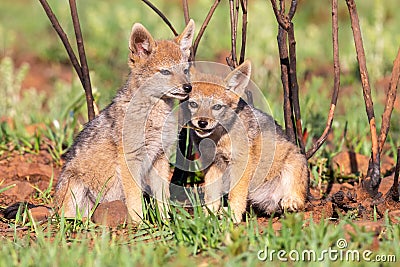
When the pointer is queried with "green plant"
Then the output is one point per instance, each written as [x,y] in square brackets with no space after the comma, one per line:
[45,195]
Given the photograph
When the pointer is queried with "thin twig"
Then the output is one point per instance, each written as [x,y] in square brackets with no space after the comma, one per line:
[236,21]
[63,36]
[187,18]
[284,62]
[291,104]
[244,30]
[82,58]
[292,10]
[282,9]
[236,13]
[336,81]
[186,11]
[295,87]
[162,16]
[232,62]
[371,183]
[279,15]
[293,77]
[80,67]
[287,104]
[390,99]
[395,190]
[284,56]
[203,27]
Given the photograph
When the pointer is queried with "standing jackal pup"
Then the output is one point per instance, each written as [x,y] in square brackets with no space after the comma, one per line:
[245,153]
[128,137]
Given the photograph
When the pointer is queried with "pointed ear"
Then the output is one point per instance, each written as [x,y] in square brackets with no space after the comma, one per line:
[239,78]
[184,40]
[141,43]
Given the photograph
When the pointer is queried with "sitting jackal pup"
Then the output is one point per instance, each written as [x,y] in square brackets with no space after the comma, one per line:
[96,165]
[244,151]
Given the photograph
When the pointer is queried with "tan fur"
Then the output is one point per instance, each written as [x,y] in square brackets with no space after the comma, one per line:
[253,160]
[125,138]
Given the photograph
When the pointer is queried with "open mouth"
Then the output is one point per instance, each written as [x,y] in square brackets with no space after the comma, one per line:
[203,132]
[179,96]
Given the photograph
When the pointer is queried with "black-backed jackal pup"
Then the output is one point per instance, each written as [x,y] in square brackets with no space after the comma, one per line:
[121,152]
[245,153]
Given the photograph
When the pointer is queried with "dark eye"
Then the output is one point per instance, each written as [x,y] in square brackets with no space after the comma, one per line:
[165,72]
[186,71]
[193,104]
[217,107]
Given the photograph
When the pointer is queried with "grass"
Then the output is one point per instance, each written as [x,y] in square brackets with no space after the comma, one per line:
[200,239]
[52,120]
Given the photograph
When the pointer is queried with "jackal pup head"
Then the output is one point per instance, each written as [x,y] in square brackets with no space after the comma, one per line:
[214,102]
[161,64]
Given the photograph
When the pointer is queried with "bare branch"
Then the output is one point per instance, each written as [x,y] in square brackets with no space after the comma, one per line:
[282,7]
[187,18]
[244,30]
[391,98]
[292,10]
[236,18]
[371,183]
[204,26]
[82,58]
[63,36]
[295,87]
[336,81]
[186,11]
[287,105]
[81,67]
[164,18]
[280,16]
[232,61]
[395,190]
[284,59]
[284,62]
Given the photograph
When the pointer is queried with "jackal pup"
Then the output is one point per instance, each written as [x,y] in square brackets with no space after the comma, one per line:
[245,153]
[130,131]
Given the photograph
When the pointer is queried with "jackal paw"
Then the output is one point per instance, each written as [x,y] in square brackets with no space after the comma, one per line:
[291,203]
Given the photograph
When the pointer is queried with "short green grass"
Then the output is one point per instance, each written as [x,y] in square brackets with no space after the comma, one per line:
[188,239]
[198,238]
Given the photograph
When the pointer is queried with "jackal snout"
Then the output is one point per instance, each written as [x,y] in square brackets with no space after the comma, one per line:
[187,87]
[203,126]
[181,83]
[206,113]
[202,123]
[181,92]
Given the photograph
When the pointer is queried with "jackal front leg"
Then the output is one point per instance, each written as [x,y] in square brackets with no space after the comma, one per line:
[71,198]
[239,188]
[213,185]
[159,180]
[132,192]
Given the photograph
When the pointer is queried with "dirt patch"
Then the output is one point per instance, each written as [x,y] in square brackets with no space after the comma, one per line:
[26,176]
[348,162]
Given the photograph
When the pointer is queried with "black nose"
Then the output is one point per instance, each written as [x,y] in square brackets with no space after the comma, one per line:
[202,124]
[187,87]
